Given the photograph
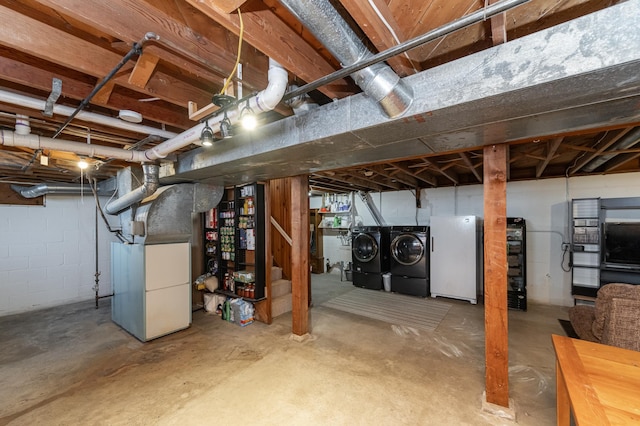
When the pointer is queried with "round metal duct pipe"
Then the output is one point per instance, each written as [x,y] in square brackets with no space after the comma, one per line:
[149,186]
[378,81]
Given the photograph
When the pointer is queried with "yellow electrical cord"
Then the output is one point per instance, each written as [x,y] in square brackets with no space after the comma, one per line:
[235,67]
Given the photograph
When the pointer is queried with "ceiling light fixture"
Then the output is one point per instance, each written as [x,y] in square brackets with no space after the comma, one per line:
[130,116]
[82,164]
[248,118]
[225,127]
[206,137]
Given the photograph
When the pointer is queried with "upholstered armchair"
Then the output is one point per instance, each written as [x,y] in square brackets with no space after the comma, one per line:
[615,318]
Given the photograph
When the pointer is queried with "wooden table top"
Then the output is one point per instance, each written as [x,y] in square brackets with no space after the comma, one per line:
[602,381]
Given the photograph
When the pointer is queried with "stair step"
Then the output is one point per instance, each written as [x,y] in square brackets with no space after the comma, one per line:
[280,288]
[281,305]
[276,273]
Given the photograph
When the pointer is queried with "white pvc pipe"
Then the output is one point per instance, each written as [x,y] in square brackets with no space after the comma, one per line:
[32,103]
[265,100]
[22,124]
[9,138]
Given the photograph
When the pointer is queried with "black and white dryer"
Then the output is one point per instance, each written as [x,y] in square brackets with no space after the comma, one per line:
[409,265]
[370,255]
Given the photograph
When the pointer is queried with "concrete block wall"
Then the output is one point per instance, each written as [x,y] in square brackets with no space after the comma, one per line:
[47,254]
[543,203]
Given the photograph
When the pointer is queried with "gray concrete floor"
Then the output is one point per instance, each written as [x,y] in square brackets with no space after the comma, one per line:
[71,365]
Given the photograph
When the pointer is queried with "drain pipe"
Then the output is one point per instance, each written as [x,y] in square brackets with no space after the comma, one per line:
[91,117]
[378,81]
[263,101]
[149,187]
[9,138]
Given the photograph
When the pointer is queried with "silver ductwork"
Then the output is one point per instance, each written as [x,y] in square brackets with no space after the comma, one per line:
[378,81]
[301,103]
[56,188]
[629,140]
[166,215]
[149,186]
[532,87]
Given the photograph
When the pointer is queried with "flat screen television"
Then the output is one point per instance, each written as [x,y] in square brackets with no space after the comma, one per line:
[622,244]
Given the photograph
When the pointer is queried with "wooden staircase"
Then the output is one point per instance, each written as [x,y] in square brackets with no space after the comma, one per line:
[280,293]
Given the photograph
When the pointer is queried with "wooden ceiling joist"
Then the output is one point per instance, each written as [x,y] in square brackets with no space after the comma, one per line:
[552,147]
[260,27]
[383,31]
[196,50]
[465,158]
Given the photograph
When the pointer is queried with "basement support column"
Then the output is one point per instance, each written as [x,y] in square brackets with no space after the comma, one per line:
[300,254]
[495,275]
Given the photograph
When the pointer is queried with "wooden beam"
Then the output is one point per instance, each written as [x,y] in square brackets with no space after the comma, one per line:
[603,144]
[35,38]
[328,187]
[300,254]
[144,68]
[261,28]
[383,31]
[201,48]
[551,152]
[467,161]
[30,76]
[451,176]
[495,275]
[394,174]
[416,174]
[228,6]
[498,27]
[358,181]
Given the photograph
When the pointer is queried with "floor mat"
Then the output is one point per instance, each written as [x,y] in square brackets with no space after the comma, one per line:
[568,328]
[397,309]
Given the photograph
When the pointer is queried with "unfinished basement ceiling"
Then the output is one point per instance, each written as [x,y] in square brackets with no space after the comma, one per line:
[79,42]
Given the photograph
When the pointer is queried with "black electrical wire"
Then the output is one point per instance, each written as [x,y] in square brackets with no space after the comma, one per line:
[135,50]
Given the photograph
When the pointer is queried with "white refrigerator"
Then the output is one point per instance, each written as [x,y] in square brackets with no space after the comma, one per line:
[456,257]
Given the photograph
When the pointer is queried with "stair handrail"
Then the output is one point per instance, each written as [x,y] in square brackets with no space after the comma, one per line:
[281,230]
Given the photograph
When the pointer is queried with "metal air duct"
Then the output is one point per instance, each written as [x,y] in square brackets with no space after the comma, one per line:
[54,188]
[378,81]
[166,215]
[628,141]
[148,187]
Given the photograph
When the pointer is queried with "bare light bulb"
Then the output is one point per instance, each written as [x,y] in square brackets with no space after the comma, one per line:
[249,121]
[82,164]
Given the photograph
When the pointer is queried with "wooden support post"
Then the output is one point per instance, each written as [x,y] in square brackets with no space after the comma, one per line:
[495,275]
[300,254]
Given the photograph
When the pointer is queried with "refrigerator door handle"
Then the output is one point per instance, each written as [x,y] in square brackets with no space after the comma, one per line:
[432,245]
